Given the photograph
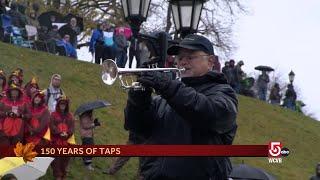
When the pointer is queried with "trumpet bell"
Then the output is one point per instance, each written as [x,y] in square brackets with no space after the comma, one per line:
[109,72]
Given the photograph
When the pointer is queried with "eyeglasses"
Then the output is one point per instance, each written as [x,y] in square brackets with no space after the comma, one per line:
[188,57]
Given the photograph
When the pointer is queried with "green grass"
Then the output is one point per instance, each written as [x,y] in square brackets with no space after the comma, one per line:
[258,122]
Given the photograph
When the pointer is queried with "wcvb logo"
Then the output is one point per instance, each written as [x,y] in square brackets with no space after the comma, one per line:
[276,152]
[275,149]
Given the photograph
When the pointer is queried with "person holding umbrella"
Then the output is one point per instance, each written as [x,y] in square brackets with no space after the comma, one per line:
[88,124]
[262,82]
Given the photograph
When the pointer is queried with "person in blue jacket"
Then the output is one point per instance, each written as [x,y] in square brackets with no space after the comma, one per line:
[69,49]
[96,45]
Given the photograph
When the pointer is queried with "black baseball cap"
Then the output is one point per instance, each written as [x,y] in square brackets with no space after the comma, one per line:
[192,42]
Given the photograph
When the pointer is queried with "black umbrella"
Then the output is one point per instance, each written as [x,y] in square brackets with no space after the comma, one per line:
[66,29]
[91,106]
[45,18]
[264,68]
[68,17]
[246,172]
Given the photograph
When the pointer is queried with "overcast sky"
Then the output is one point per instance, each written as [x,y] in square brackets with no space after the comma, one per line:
[285,35]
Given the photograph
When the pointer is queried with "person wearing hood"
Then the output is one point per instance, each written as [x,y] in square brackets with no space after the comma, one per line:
[239,74]
[275,96]
[290,98]
[3,84]
[201,109]
[38,125]
[317,176]
[15,79]
[29,89]
[14,112]
[53,92]
[61,129]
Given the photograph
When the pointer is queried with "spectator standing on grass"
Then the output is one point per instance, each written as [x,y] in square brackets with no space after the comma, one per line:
[275,96]
[53,92]
[87,127]
[290,98]
[122,45]
[96,45]
[262,84]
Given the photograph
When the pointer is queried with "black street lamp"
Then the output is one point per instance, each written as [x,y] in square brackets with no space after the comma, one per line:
[186,15]
[291,76]
[135,12]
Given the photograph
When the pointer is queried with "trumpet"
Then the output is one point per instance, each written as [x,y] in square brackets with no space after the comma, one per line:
[110,73]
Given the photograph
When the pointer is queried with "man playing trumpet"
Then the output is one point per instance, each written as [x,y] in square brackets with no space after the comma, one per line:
[200,109]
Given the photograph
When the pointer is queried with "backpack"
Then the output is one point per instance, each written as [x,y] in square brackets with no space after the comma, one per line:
[49,94]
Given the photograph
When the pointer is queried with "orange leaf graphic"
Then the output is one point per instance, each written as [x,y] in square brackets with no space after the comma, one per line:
[25,151]
[18,150]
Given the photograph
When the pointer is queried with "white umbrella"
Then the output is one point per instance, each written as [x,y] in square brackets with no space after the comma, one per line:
[32,170]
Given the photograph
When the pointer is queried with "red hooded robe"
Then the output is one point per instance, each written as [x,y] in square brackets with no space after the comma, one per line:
[61,122]
[38,125]
[13,127]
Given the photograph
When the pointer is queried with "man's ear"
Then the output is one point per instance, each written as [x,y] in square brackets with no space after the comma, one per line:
[211,61]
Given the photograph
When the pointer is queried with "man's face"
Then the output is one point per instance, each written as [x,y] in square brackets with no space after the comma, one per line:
[73,22]
[195,63]
[56,82]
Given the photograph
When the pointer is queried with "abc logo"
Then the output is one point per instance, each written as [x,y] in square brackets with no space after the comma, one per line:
[285,152]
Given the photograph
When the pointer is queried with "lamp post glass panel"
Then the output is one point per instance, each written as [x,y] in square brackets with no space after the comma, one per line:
[291,76]
[135,12]
[186,15]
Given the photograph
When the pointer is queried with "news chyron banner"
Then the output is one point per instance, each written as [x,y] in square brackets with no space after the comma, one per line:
[274,151]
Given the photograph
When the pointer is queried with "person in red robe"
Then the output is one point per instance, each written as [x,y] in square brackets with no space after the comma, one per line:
[29,89]
[15,79]
[38,125]
[14,112]
[61,129]
[3,84]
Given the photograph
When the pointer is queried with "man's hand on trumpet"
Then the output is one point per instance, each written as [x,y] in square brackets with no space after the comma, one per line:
[157,80]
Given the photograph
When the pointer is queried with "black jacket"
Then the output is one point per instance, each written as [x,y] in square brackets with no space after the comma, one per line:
[200,110]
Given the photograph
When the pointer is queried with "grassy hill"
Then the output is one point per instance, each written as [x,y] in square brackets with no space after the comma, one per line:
[258,122]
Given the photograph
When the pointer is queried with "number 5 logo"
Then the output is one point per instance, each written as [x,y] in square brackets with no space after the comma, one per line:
[275,149]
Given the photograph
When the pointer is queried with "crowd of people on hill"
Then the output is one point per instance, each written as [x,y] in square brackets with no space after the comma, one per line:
[107,42]
[258,88]
[30,114]
[25,30]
